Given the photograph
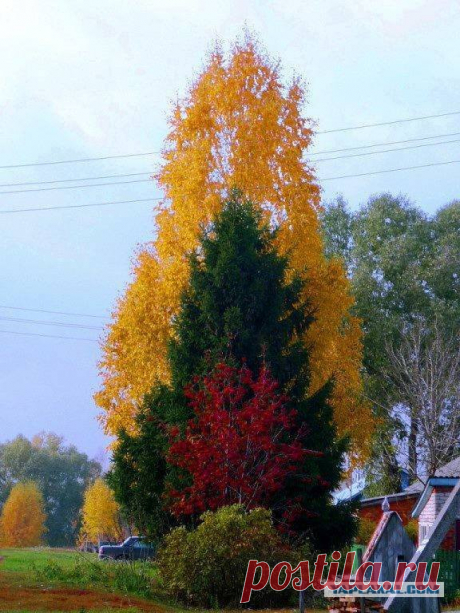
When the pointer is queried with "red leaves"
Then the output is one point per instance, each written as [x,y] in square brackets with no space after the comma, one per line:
[241,445]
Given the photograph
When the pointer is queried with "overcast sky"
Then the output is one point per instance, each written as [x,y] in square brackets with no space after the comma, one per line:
[86,79]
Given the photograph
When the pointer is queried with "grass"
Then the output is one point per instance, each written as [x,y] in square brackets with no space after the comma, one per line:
[22,560]
[43,580]
[138,578]
[66,580]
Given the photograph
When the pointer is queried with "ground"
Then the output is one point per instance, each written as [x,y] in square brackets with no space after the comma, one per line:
[35,580]
[21,590]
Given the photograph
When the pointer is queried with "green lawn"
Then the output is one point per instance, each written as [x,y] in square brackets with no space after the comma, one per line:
[63,581]
[22,560]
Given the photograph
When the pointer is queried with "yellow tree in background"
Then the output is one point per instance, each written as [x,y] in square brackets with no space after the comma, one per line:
[100,513]
[22,522]
[238,126]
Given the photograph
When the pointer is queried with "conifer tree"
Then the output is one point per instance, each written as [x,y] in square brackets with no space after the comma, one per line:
[243,305]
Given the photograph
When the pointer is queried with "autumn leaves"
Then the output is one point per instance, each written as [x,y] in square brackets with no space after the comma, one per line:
[238,126]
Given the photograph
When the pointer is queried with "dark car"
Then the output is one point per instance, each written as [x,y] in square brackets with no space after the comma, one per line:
[133,548]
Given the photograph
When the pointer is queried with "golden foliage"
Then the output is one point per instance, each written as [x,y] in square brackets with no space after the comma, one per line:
[22,523]
[366,529]
[100,513]
[238,126]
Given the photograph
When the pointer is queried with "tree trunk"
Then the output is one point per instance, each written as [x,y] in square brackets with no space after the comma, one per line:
[413,464]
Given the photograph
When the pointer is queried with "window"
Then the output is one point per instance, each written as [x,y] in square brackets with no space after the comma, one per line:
[140,545]
[423,532]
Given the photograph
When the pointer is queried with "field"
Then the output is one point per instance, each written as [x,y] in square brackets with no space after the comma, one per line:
[41,579]
[49,580]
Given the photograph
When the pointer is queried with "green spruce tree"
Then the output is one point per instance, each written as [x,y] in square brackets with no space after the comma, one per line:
[242,305]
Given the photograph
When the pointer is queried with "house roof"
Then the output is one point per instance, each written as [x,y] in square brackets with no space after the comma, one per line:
[407,493]
[447,475]
[379,530]
[452,469]
[350,491]
[412,491]
[432,483]
[414,488]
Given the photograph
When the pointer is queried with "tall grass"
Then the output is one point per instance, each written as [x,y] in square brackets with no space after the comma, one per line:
[127,577]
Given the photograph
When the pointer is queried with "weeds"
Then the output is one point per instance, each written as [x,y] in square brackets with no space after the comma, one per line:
[126,577]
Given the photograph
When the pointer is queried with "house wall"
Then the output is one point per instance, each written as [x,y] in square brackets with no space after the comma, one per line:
[403,507]
[389,545]
[428,515]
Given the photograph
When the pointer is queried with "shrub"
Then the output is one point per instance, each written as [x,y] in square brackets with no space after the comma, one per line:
[412,530]
[366,529]
[207,566]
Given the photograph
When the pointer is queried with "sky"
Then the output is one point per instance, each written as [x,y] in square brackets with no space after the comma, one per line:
[94,79]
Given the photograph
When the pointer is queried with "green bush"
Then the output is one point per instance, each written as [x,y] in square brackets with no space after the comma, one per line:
[207,566]
[412,530]
[366,529]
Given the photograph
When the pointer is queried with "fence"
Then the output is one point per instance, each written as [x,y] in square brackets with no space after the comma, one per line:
[449,571]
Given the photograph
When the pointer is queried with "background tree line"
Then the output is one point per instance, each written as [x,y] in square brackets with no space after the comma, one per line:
[59,472]
[404,268]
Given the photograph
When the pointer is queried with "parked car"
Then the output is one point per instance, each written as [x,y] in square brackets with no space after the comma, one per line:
[89,547]
[133,548]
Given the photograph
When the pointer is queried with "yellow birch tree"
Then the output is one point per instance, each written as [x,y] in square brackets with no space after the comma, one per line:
[100,513]
[22,522]
[238,126]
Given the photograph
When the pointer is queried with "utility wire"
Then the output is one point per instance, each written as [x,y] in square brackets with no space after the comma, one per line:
[396,142]
[379,172]
[139,174]
[313,153]
[77,161]
[358,155]
[48,189]
[132,174]
[13,308]
[79,206]
[363,174]
[147,153]
[49,323]
[68,338]
[388,123]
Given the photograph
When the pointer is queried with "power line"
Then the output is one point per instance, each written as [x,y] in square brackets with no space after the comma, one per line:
[138,174]
[313,153]
[396,142]
[358,155]
[79,206]
[50,323]
[68,338]
[388,123]
[77,161]
[132,174]
[13,308]
[379,172]
[48,189]
[147,153]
